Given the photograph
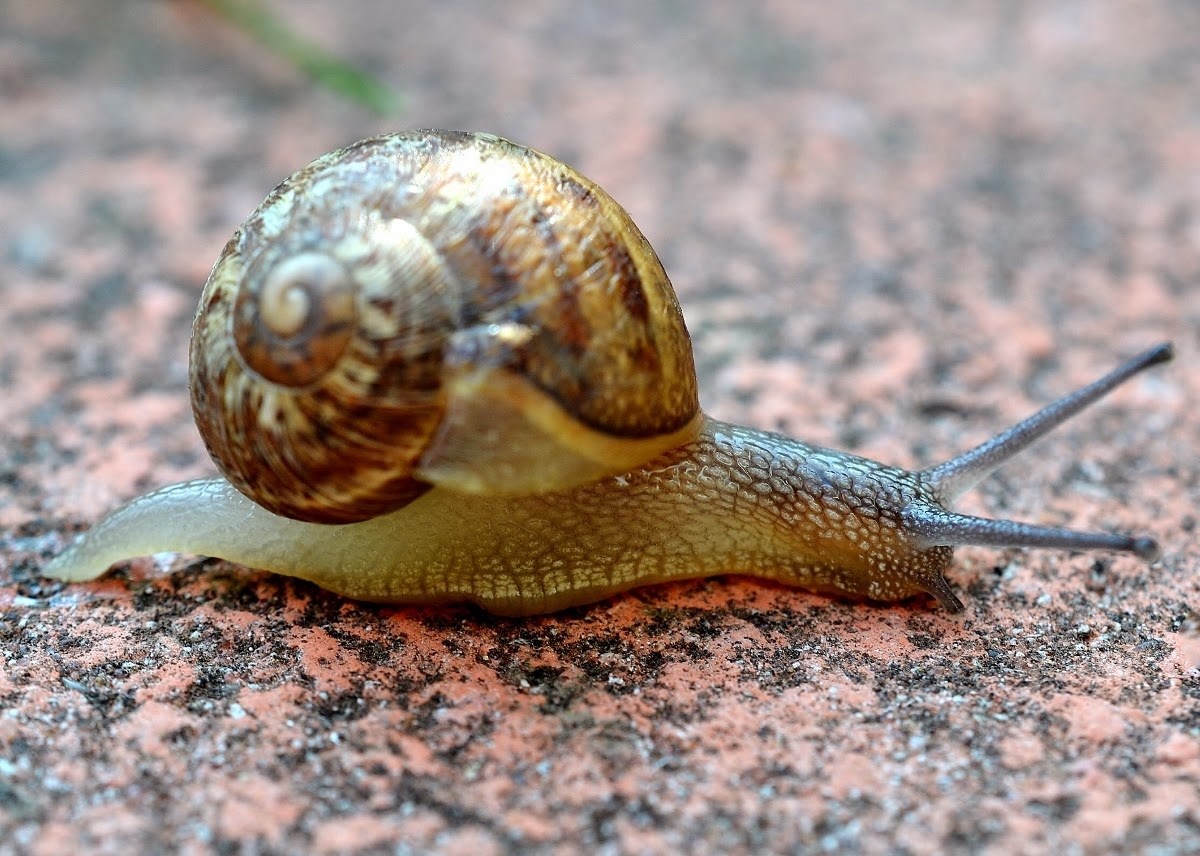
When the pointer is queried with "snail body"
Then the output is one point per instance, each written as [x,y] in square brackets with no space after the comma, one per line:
[466,356]
[731,501]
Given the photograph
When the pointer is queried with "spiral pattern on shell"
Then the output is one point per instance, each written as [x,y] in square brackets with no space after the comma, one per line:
[323,337]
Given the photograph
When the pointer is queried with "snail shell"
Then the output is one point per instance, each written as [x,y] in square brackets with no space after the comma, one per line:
[435,307]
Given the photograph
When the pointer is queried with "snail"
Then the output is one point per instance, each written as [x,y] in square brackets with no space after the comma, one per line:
[437,366]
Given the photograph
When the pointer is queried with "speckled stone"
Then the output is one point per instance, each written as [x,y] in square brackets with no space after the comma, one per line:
[894,228]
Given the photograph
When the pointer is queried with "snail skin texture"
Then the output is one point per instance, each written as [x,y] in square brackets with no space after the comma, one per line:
[437,366]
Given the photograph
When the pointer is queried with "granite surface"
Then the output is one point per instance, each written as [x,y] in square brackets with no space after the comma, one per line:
[894,228]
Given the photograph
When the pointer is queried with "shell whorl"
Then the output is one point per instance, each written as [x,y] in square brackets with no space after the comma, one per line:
[329,324]
[292,323]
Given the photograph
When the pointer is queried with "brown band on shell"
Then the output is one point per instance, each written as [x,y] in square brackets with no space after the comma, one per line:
[612,345]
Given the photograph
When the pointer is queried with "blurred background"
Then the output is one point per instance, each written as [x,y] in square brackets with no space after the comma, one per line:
[877,189]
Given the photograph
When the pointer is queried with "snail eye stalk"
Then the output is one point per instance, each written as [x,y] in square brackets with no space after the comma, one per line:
[936,526]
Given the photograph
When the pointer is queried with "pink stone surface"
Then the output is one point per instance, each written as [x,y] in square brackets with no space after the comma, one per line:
[894,228]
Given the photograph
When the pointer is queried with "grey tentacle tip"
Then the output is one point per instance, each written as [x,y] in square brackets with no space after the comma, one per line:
[1146,549]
